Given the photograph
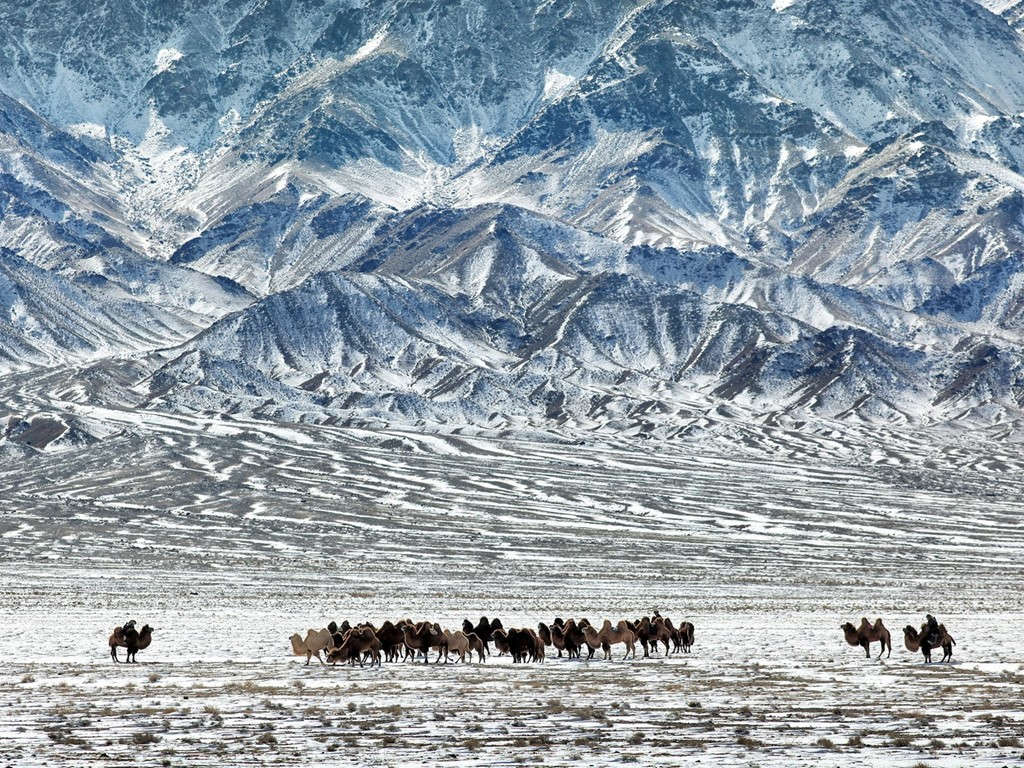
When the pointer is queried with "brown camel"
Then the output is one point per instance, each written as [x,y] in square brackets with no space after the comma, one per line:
[357,644]
[500,638]
[572,638]
[130,638]
[685,635]
[621,633]
[915,641]
[422,637]
[478,645]
[866,634]
[391,640]
[538,651]
[594,640]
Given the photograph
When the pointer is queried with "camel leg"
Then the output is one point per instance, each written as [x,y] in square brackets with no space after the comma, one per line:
[113,654]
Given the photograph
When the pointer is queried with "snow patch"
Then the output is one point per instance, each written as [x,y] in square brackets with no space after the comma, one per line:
[88,131]
[165,59]
[556,83]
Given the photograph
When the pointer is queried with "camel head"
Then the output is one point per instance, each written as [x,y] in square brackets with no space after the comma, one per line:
[909,631]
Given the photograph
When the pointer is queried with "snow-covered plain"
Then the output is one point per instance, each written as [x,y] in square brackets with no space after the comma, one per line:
[229,534]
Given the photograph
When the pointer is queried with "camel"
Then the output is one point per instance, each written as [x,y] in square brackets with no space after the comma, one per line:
[557,634]
[422,637]
[866,634]
[500,638]
[316,640]
[932,635]
[572,638]
[594,641]
[520,645]
[663,628]
[483,629]
[621,633]
[131,639]
[652,631]
[537,652]
[357,644]
[456,642]
[876,632]
[391,640]
[685,635]
[478,645]
[544,632]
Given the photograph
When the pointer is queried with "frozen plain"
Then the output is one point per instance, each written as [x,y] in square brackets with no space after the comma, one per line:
[228,535]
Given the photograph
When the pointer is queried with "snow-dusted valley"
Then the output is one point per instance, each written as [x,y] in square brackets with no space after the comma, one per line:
[325,309]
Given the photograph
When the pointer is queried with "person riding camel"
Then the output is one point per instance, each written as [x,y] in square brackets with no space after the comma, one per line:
[931,634]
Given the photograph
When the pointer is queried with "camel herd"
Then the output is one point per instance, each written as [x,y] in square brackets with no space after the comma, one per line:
[406,640]
[931,635]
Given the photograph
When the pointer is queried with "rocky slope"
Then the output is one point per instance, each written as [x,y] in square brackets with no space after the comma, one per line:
[546,215]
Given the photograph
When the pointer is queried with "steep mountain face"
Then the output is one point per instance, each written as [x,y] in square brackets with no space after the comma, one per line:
[555,215]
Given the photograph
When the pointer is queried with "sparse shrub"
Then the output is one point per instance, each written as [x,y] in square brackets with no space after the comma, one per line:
[825,743]
[1008,741]
[748,742]
[901,740]
[153,677]
[351,706]
[145,738]
[636,738]
[267,738]
[555,707]
[746,711]
[855,741]
[694,705]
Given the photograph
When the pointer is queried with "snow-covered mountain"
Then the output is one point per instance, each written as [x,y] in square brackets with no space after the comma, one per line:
[542,214]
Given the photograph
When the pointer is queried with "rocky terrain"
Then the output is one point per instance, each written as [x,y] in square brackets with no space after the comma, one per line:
[325,309]
[546,217]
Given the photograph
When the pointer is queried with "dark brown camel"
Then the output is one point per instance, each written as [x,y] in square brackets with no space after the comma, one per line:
[130,638]
[932,635]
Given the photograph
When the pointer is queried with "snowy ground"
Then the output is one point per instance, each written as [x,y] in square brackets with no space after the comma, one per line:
[228,536]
